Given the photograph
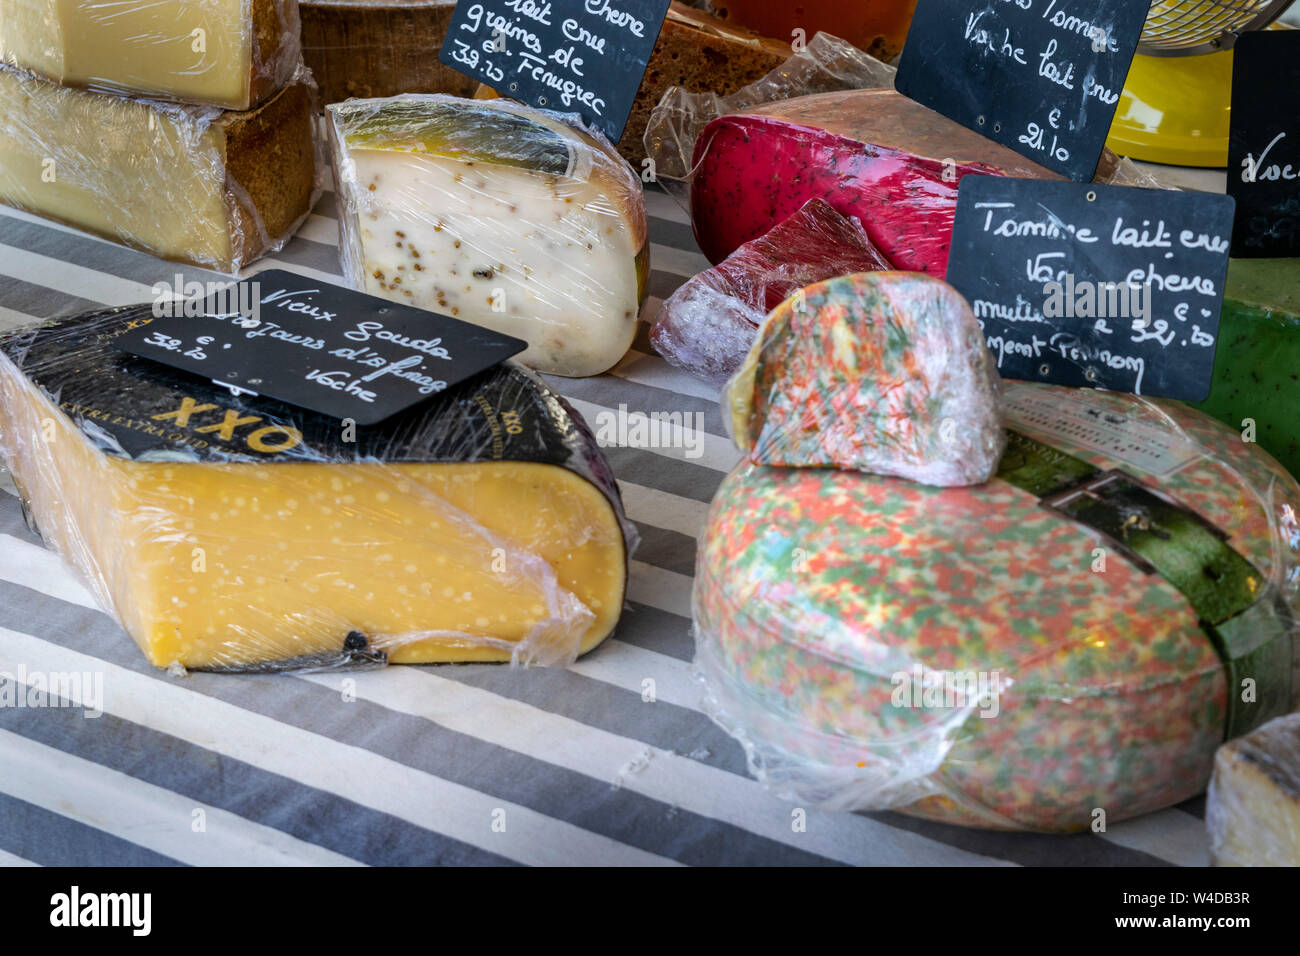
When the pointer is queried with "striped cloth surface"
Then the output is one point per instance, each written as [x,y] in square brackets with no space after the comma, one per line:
[465,764]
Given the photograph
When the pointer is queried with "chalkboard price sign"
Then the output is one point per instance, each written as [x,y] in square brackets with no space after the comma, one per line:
[317,346]
[572,56]
[1264,144]
[1041,77]
[1103,286]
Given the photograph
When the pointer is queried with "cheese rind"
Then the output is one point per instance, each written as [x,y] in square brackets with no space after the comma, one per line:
[381,48]
[228,53]
[496,214]
[1253,810]
[193,184]
[228,533]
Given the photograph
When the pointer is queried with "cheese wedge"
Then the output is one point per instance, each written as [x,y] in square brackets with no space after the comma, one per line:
[228,53]
[241,533]
[187,183]
[496,214]
[1253,810]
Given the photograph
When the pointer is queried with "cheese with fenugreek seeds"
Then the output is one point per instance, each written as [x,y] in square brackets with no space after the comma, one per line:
[228,53]
[193,184]
[496,214]
[240,533]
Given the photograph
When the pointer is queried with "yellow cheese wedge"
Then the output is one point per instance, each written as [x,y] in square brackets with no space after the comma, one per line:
[1253,810]
[482,526]
[227,53]
[193,184]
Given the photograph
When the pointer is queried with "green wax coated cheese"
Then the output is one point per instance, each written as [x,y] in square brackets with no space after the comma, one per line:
[1257,365]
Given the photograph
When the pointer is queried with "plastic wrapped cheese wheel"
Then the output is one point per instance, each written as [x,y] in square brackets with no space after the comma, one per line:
[1065,644]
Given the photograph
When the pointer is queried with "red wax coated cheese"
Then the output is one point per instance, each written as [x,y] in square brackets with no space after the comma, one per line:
[874,154]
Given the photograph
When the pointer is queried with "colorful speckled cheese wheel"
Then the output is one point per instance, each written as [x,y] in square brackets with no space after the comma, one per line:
[976,657]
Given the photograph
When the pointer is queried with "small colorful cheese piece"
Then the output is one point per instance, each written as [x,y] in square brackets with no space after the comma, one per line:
[707,326]
[1253,811]
[883,372]
[497,214]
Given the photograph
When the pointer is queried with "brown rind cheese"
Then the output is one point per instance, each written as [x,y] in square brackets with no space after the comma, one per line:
[379,49]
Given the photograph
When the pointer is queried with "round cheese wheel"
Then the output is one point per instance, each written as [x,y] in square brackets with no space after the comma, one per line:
[977,655]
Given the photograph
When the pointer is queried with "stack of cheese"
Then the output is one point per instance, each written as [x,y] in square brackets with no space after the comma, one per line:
[900,604]
[180,127]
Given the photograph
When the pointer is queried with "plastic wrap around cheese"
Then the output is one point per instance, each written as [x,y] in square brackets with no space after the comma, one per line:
[874,154]
[707,326]
[885,372]
[1253,810]
[1073,638]
[497,214]
[245,534]
[193,184]
[228,53]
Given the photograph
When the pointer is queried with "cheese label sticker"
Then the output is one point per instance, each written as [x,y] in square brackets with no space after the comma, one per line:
[318,346]
[1054,418]
[571,56]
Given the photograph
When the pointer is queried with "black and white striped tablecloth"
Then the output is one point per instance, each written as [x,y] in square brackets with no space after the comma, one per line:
[463,764]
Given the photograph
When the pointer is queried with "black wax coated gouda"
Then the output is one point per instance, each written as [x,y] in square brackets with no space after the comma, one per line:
[240,533]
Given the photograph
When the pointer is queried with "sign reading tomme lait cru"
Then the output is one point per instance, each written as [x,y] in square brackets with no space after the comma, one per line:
[318,346]
[1264,144]
[1041,77]
[1104,286]
[572,56]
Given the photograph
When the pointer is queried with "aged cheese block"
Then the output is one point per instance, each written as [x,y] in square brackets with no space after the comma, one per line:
[194,184]
[885,372]
[877,26]
[380,48]
[1257,359]
[497,214]
[242,533]
[227,53]
[1253,811]
[707,326]
[874,154]
[1073,638]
